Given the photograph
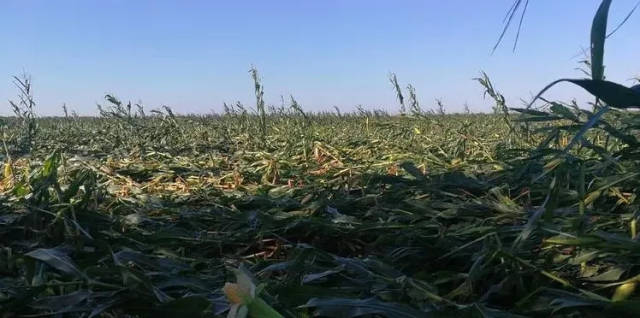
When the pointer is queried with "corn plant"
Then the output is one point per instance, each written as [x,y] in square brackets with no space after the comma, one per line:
[24,110]
[396,87]
[259,91]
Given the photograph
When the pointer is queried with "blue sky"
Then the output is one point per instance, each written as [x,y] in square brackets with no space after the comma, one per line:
[195,55]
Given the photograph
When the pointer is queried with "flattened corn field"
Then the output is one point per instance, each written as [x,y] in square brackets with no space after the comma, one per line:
[282,213]
[334,215]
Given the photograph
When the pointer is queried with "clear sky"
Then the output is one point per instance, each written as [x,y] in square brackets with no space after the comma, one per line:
[195,55]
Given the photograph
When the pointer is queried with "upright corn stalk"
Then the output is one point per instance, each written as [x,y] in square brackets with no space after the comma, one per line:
[306,123]
[441,109]
[24,111]
[65,110]
[413,101]
[500,107]
[394,82]
[260,103]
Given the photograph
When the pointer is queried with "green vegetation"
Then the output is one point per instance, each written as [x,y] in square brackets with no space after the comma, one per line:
[282,212]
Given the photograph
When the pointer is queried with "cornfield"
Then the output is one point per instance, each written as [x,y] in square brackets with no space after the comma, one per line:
[282,212]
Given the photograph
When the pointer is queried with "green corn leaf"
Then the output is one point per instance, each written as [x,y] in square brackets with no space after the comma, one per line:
[190,306]
[563,111]
[598,37]
[344,307]
[56,258]
[614,94]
